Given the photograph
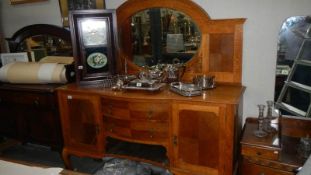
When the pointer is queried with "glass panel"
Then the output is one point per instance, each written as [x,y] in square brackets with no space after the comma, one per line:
[82,121]
[221,53]
[161,35]
[44,45]
[198,138]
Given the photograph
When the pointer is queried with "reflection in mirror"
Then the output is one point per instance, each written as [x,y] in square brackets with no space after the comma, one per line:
[162,35]
[294,65]
[40,46]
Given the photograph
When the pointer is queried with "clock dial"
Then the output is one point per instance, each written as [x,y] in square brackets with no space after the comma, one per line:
[97,60]
[94,32]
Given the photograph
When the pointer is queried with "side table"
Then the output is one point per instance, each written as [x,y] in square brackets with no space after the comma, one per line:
[275,153]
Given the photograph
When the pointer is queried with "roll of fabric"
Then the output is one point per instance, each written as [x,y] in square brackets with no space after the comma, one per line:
[33,73]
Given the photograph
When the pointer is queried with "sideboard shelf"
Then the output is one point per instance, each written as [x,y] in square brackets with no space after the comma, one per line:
[155,154]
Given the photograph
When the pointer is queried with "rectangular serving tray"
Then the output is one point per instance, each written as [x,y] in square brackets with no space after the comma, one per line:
[185,89]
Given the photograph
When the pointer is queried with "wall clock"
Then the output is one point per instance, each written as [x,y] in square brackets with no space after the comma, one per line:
[93,33]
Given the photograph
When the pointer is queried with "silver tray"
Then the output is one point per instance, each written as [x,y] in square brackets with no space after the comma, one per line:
[155,87]
[185,89]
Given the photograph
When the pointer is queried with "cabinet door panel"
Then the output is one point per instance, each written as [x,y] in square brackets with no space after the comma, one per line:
[83,125]
[197,129]
[8,120]
[82,122]
[44,126]
[198,137]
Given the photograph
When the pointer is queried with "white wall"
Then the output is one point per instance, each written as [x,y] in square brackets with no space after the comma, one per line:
[264,18]
[14,17]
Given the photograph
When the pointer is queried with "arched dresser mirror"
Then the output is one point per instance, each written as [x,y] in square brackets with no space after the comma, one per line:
[43,40]
[293,73]
[179,31]
[163,35]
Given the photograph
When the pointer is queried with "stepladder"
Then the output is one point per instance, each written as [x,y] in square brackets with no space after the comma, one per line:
[295,96]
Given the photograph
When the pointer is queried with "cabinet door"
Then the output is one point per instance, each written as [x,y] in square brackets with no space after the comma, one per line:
[9,120]
[44,126]
[198,138]
[81,122]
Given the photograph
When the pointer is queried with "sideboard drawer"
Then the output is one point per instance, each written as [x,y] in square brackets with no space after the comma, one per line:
[115,108]
[137,129]
[260,152]
[24,98]
[149,111]
[254,169]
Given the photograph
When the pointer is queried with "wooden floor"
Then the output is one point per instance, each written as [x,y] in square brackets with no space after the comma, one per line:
[37,155]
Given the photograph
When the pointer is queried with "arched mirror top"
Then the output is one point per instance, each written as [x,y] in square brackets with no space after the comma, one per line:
[42,40]
[219,52]
[131,7]
[130,18]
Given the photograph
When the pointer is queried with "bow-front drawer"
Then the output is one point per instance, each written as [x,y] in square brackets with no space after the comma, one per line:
[137,129]
[115,108]
[149,111]
[136,110]
[136,120]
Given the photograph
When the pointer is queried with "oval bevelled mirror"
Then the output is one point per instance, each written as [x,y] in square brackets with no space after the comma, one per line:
[162,36]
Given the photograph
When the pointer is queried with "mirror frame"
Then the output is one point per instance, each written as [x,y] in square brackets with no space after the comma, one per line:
[37,29]
[131,7]
[200,62]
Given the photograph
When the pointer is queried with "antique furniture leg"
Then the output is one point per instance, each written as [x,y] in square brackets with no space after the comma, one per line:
[66,158]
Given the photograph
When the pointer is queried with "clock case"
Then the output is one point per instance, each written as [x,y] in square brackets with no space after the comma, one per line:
[86,74]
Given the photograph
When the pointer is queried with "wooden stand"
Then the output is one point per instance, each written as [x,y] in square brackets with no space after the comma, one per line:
[276,153]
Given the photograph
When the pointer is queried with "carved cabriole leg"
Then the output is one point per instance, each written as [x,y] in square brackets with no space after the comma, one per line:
[66,158]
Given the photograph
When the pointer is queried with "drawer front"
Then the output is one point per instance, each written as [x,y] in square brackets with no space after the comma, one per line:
[260,152]
[137,129]
[118,127]
[136,110]
[254,169]
[149,111]
[33,99]
[115,108]
[142,130]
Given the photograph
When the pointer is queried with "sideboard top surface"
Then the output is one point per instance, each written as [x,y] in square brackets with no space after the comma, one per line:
[223,93]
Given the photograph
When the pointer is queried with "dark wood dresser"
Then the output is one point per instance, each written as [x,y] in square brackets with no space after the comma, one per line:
[29,113]
[276,153]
